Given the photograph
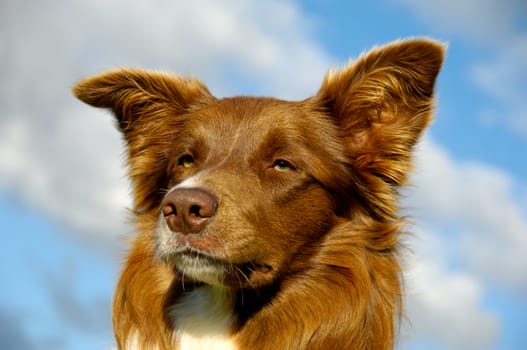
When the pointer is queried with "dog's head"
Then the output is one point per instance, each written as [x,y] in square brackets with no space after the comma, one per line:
[236,191]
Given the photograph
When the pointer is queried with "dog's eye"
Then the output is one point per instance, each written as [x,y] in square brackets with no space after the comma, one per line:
[283,165]
[186,161]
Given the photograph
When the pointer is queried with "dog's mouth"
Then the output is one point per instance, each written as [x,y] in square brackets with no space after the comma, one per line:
[200,266]
[191,253]
[192,256]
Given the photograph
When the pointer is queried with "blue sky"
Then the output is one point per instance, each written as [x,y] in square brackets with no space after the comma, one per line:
[63,192]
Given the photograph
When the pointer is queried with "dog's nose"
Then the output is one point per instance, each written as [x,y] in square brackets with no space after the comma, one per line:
[188,210]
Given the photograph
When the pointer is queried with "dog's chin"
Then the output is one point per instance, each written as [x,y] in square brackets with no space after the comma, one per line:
[199,267]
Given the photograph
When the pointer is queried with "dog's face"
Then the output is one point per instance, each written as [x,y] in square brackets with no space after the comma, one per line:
[249,182]
[240,191]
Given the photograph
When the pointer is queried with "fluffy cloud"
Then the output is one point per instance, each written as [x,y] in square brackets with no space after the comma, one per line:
[442,306]
[65,158]
[480,206]
[70,170]
[469,232]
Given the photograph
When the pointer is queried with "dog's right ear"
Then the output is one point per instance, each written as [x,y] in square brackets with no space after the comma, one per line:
[137,96]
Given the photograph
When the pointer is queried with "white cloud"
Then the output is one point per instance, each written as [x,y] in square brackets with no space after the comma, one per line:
[444,307]
[469,225]
[481,205]
[71,171]
[64,158]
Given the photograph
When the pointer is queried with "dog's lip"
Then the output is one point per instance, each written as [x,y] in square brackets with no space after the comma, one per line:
[193,253]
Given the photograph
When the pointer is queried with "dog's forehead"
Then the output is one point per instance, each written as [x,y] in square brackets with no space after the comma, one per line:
[254,120]
[250,112]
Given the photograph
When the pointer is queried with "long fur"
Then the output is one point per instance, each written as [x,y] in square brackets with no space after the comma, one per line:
[306,253]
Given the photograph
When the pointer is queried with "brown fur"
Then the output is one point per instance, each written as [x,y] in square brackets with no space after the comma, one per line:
[312,251]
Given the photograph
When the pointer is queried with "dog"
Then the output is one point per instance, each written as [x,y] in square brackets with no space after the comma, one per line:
[264,223]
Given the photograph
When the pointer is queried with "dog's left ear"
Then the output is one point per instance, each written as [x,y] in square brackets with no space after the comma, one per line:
[381,103]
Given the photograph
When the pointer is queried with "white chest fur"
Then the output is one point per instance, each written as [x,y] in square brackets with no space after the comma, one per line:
[204,319]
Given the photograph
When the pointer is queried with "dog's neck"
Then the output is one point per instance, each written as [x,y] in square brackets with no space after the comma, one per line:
[204,318]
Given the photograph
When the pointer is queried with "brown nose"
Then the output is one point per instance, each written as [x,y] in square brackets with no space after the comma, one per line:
[188,210]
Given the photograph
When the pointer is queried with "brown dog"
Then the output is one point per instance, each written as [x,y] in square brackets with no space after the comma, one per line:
[268,224]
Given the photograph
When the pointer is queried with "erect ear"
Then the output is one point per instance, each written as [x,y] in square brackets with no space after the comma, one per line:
[150,108]
[382,102]
[136,95]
